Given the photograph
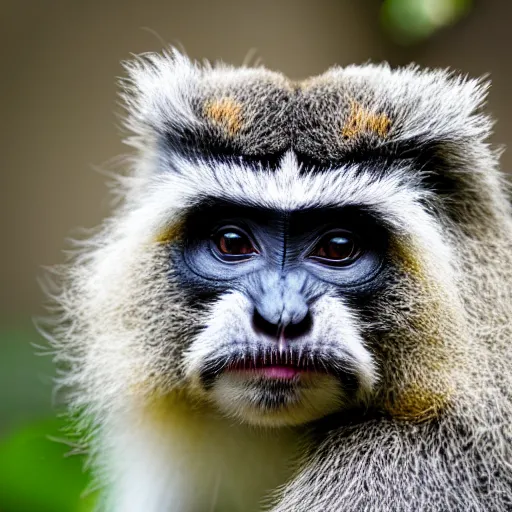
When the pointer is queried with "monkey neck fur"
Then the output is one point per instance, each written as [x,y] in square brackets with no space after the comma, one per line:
[209,462]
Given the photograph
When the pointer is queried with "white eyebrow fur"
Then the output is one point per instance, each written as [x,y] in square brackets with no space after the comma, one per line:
[393,196]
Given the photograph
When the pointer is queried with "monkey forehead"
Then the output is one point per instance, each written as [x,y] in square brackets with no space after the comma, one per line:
[253,112]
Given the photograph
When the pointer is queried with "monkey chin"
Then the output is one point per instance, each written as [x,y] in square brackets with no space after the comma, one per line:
[278,397]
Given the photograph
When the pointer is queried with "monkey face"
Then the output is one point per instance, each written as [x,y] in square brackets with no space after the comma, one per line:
[282,344]
[280,251]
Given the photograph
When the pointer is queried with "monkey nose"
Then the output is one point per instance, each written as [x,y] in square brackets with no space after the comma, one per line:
[284,325]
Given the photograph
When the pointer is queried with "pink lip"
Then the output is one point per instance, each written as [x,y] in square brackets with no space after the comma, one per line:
[275,372]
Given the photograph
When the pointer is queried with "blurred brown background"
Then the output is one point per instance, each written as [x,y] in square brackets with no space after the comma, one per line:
[60,60]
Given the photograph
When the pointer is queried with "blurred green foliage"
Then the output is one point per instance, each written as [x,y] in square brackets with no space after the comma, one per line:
[410,21]
[36,473]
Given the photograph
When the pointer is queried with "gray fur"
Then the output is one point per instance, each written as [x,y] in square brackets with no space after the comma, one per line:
[440,438]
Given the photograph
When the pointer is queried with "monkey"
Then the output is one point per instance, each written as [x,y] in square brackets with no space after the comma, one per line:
[301,301]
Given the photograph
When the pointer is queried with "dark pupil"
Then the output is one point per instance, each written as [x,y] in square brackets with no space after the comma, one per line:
[339,248]
[234,243]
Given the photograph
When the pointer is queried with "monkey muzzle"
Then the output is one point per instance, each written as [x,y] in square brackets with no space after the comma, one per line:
[267,371]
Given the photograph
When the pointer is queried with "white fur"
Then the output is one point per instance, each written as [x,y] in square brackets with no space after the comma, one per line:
[193,460]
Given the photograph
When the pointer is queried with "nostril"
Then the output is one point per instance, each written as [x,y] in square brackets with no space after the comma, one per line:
[264,326]
[299,328]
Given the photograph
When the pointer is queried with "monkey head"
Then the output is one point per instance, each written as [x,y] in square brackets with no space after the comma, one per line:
[281,253]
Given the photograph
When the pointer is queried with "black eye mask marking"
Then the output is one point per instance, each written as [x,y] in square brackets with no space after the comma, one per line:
[225,243]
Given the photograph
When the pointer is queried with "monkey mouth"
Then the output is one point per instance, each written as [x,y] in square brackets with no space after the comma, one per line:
[275,365]
[285,367]
[272,371]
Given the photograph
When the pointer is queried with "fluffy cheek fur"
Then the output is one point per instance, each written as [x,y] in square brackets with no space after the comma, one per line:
[244,396]
[138,318]
[416,328]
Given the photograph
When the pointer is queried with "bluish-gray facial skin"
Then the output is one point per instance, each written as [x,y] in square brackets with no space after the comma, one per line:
[282,262]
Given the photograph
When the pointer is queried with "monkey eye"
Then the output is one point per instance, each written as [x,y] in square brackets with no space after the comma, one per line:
[338,248]
[233,244]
